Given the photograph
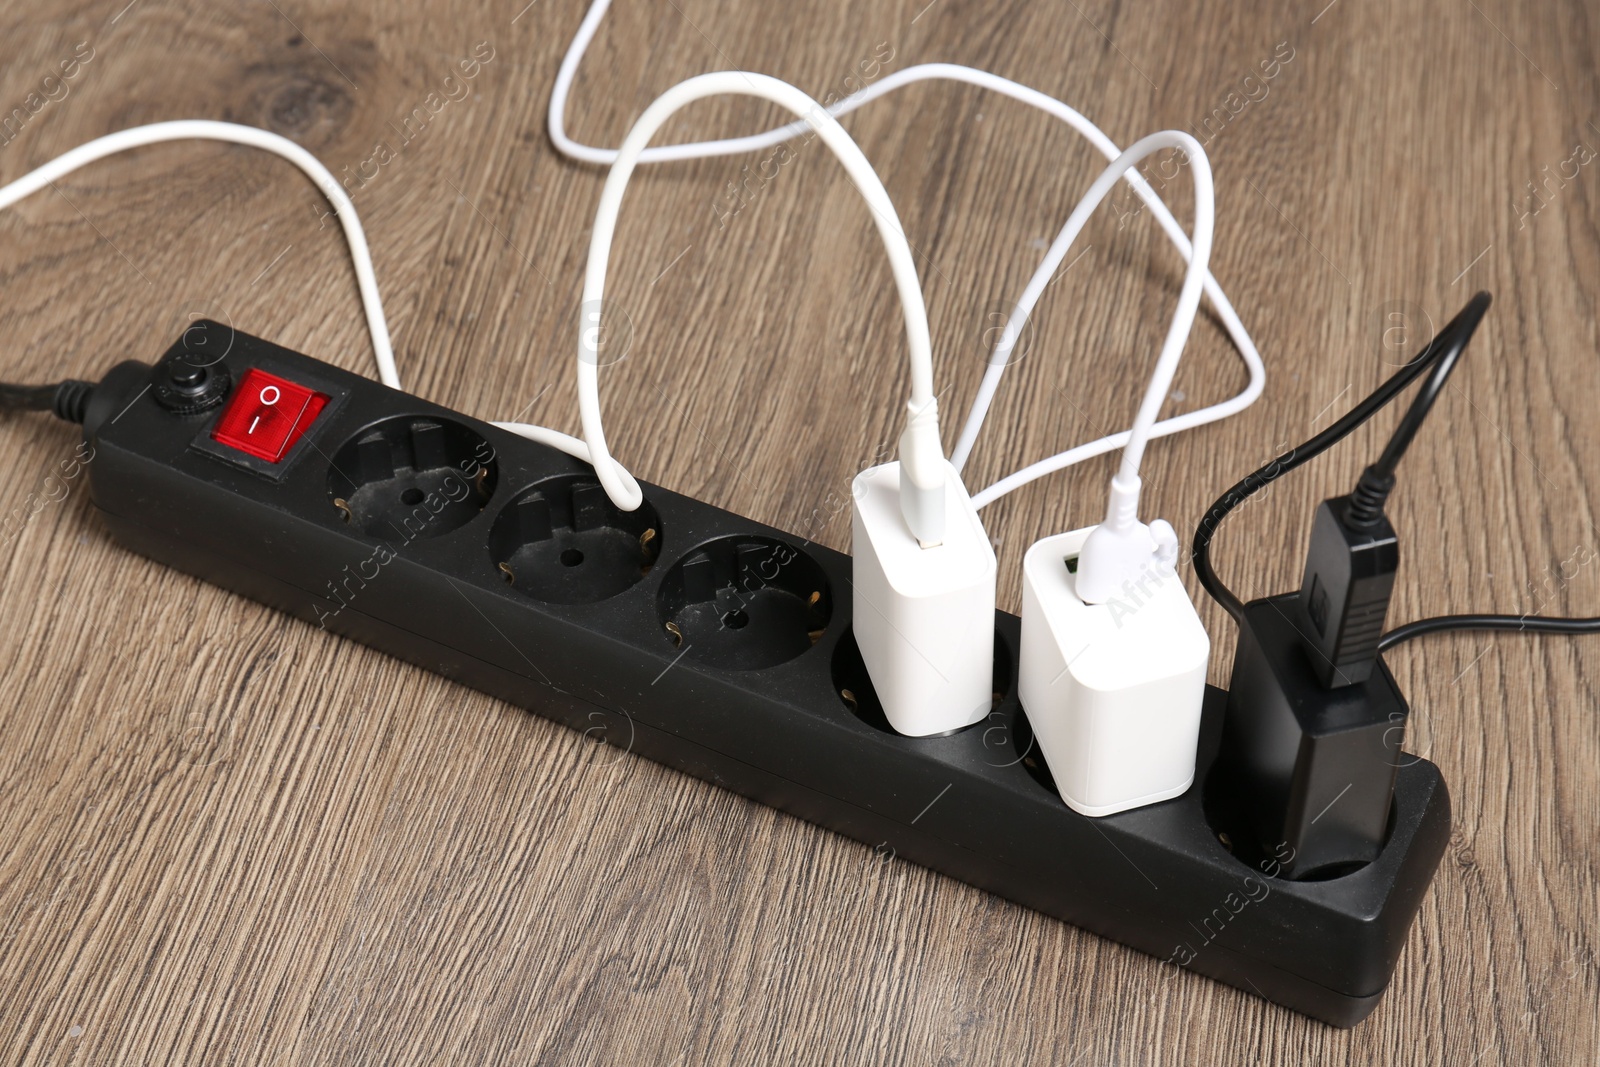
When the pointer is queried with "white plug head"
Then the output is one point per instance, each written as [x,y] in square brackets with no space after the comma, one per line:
[1113,691]
[1123,550]
[923,617]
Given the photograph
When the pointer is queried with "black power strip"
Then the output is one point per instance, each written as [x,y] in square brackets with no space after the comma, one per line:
[703,641]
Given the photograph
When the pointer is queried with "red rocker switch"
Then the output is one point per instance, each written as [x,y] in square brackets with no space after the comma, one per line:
[267,415]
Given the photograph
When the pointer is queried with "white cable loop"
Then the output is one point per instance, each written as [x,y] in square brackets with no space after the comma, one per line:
[922,459]
[575,447]
[997,364]
[207,130]
[1133,442]
[1125,486]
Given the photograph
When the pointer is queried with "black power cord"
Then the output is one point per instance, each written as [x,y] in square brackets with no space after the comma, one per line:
[1534,624]
[26,397]
[67,400]
[1445,348]
[1376,481]
[185,382]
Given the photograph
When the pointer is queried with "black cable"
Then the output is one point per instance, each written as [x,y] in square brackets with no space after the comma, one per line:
[67,400]
[1445,347]
[1422,403]
[1377,481]
[1441,353]
[1444,623]
[1529,623]
[26,397]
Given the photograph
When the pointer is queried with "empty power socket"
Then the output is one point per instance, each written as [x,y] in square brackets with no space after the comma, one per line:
[565,542]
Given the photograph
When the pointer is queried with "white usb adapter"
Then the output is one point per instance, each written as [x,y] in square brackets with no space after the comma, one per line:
[1112,690]
[923,617]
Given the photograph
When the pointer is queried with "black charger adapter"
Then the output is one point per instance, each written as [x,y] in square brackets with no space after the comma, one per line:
[1310,769]
[1315,722]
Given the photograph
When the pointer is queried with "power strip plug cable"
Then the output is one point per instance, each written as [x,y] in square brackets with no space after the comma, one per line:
[65,399]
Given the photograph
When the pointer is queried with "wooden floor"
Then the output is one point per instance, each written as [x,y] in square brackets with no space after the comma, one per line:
[227,837]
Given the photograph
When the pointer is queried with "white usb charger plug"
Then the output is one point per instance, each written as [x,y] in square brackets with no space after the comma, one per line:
[923,615]
[1112,689]
[1112,669]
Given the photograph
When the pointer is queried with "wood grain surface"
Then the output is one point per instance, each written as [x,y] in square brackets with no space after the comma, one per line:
[227,837]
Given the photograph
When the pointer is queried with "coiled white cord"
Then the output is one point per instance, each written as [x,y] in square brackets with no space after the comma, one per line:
[1001,356]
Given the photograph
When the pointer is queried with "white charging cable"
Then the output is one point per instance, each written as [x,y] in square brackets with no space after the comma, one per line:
[206,130]
[922,463]
[344,210]
[1121,547]
[1001,356]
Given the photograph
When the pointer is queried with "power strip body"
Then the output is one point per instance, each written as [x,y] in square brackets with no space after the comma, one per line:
[765,717]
